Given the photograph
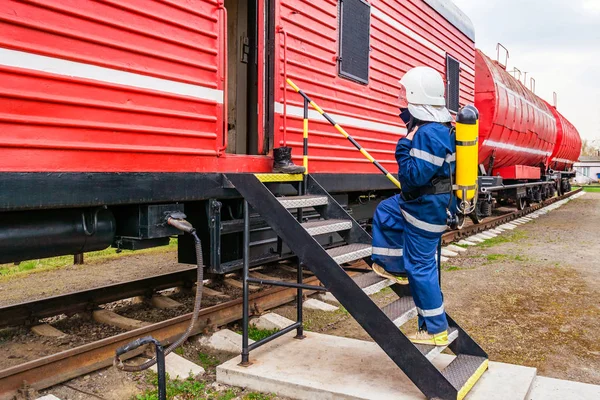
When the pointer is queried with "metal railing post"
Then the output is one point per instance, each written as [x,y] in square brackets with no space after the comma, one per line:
[341,130]
[245,295]
[305,142]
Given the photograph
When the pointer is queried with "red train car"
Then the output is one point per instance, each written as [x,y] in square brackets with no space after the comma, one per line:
[518,131]
[133,104]
[568,144]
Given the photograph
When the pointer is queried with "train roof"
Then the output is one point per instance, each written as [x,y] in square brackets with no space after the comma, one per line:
[454,15]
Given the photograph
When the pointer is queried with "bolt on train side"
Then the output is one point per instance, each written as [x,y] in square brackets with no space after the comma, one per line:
[113,113]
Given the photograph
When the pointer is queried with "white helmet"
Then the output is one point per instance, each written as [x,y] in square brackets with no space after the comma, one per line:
[424,86]
[422,91]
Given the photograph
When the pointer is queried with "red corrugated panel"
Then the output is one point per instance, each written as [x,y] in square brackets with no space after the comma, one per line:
[109,85]
[568,144]
[368,112]
[516,125]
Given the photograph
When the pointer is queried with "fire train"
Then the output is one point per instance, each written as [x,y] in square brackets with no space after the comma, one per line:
[113,112]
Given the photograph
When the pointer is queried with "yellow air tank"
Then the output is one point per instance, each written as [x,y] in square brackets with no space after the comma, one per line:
[467,157]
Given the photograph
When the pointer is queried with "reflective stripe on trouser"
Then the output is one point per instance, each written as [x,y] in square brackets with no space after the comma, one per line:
[392,235]
[420,261]
[388,240]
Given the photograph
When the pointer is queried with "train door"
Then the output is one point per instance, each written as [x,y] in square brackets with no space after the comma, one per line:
[245,78]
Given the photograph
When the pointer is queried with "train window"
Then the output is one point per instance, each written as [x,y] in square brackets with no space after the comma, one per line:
[453,82]
[355,35]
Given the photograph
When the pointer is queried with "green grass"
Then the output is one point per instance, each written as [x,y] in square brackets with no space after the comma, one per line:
[452,268]
[207,361]
[258,396]
[188,389]
[259,334]
[27,267]
[500,257]
[505,238]
[591,189]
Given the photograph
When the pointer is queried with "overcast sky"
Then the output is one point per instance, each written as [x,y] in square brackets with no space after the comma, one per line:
[555,41]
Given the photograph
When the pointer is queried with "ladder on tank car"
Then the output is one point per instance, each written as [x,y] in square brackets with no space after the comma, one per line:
[284,216]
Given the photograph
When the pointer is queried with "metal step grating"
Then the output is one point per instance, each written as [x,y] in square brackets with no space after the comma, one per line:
[432,352]
[323,227]
[351,252]
[372,283]
[303,201]
[464,368]
[401,310]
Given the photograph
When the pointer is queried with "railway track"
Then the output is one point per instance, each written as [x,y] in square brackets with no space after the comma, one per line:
[51,370]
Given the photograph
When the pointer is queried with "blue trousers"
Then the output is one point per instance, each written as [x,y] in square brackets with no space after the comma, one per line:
[400,247]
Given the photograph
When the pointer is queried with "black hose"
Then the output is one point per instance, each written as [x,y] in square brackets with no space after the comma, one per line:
[199,285]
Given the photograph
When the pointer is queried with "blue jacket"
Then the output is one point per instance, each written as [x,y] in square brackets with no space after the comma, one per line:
[430,154]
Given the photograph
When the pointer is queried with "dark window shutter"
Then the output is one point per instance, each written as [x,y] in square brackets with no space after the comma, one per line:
[355,35]
[453,82]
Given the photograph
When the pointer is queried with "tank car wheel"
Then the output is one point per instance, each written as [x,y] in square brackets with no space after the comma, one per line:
[476,216]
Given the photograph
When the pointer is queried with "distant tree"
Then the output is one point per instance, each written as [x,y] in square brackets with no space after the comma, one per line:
[589,149]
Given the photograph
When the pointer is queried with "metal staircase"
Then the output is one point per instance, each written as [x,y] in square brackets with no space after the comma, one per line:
[382,324]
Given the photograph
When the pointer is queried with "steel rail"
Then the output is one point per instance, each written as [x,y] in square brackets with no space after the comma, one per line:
[51,370]
[54,369]
[30,312]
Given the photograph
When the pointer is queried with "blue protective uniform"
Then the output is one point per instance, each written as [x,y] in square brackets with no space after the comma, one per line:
[406,233]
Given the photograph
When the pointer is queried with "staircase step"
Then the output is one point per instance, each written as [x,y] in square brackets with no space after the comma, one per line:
[372,283]
[323,227]
[303,201]
[464,371]
[432,352]
[274,178]
[401,310]
[351,252]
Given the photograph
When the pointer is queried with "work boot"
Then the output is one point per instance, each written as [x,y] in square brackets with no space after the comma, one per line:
[424,337]
[379,270]
[283,162]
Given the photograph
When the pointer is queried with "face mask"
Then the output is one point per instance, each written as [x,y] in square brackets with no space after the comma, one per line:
[405,116]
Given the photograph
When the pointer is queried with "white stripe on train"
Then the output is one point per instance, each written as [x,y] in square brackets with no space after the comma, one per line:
[58,66]
[295,111]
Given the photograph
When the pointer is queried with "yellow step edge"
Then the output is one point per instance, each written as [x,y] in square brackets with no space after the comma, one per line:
[266,178]
[472,380]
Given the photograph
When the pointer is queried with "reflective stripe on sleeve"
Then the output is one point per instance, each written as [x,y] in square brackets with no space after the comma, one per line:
[451,157]
[425,156]
[382,251]
[431,313]
[426,226]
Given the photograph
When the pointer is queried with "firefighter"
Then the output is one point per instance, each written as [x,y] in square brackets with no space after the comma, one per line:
[407,228]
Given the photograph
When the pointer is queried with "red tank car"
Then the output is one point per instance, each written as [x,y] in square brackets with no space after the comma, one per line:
[518,130]
[568,144]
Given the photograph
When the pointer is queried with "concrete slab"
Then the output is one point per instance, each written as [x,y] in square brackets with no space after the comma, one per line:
[328,297]
[448,253]
[223,340]
[271,321]
[180,368]
[467,243]
[510,227]
[477,239]
[48,397]
[488,234]
[329,367]
[556,389]
[314,304]
[496,231]
[47,330]
[457,249]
